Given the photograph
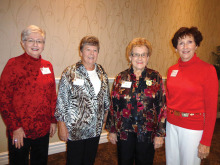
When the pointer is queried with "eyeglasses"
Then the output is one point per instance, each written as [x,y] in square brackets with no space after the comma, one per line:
[39,42]
[143,55]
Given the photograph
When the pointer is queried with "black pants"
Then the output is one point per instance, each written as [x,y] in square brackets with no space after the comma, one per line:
[130,151]
[38,149]
[82,152]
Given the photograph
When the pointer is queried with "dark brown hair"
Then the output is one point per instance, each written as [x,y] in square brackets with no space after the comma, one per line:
[185,31]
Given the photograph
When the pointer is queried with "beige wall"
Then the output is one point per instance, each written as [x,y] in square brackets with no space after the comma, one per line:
[114,22]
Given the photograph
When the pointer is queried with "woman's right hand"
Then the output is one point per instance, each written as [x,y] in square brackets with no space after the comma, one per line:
[18,138]
[62,131]
[113,138]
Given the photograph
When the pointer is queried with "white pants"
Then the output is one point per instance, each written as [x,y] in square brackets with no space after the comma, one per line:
[182,145]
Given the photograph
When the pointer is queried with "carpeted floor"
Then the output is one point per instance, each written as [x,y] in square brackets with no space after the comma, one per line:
[107,154]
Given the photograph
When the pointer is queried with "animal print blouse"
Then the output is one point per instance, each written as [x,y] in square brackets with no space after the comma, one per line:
[78,106]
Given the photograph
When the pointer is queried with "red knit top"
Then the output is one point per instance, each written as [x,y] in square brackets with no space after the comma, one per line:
[28,95]
[192,87]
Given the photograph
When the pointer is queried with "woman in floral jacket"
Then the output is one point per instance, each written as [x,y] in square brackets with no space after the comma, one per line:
[137,113]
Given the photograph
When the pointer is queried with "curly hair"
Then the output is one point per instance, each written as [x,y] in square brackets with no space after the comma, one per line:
[136,42]
[185,31]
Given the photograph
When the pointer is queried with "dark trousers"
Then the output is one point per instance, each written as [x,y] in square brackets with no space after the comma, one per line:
[82,152]
[38,149]
[130,151]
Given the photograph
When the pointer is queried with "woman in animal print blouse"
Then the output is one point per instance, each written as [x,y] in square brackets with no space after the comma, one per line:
[83,100]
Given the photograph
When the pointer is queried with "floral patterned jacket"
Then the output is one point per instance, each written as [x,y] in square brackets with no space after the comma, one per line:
[137,106]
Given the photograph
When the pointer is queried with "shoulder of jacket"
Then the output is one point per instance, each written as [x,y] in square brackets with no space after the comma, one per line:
[100,68]
[126,71]
[152,70]
[153,73]
[124,74]
[69,72]
[70,68]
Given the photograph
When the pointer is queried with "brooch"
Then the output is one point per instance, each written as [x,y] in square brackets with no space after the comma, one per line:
[148,82]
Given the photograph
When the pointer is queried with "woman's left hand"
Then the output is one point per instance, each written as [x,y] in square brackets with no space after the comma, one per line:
[53,128]
[158,142]
[203,151]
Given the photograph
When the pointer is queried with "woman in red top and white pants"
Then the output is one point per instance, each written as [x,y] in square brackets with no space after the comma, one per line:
[192,94]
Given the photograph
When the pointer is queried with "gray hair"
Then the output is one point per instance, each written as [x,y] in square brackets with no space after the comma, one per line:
[32,29]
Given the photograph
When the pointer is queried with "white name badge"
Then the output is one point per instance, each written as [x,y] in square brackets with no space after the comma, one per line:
[45,70]
[174,73]
[126,84]
[79,82]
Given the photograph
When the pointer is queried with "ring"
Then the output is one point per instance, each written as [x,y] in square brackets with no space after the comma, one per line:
[16,140]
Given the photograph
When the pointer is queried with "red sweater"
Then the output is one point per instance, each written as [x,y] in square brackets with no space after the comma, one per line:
[28,97]
[194,89]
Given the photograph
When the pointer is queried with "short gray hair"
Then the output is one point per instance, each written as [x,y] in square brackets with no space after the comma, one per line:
[32,29]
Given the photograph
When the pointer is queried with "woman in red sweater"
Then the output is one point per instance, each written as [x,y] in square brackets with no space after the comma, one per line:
[28,100]
[192,93]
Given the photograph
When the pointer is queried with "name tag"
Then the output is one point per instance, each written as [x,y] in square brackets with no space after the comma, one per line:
[126,84]
[174,73]
[45,70]
[79,82]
